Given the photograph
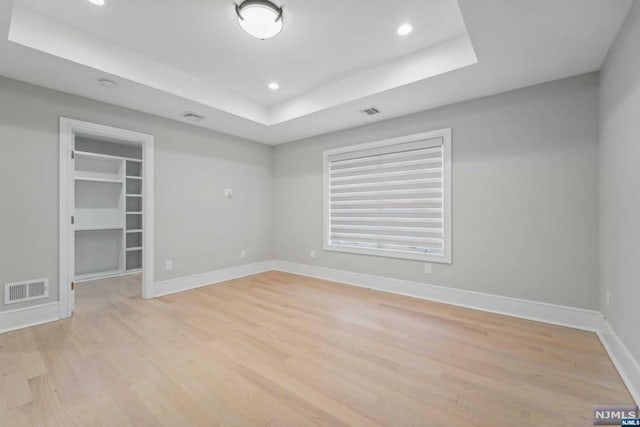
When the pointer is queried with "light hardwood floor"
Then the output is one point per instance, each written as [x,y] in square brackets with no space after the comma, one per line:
[278,349]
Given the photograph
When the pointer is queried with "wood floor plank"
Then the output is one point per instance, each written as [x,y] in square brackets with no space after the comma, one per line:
[277,349]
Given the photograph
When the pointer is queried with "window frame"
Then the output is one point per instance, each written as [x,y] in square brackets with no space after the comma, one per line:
[445,134]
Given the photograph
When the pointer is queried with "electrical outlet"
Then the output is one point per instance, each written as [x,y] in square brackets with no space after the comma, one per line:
[312,254]
[228,193]
[243,254]
[427,268]
[168,265]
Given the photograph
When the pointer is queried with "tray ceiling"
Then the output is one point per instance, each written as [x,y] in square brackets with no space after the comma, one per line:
[333,58]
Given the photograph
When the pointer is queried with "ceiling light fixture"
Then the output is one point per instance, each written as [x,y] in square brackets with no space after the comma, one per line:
[97,2]
[109,84]
[404,29]
[260,18]
[274,86]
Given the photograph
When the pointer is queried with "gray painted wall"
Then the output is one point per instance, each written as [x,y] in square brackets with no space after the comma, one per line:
[524,200]
[196,226]
[619,181]
[524,173]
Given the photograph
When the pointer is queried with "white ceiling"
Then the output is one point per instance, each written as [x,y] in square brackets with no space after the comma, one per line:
[203,38]
[332,59]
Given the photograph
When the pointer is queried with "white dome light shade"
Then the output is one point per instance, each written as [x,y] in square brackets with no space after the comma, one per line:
[274,86]
[260,18]
[97,2]
[404,29]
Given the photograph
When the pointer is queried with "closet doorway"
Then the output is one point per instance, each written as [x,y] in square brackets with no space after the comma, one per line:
[106,207]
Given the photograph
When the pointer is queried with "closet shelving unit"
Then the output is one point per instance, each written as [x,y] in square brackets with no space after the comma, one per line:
[133,238]
[108,215]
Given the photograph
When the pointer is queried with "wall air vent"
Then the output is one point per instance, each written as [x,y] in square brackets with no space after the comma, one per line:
[26,291]
[371,111]
[192,116]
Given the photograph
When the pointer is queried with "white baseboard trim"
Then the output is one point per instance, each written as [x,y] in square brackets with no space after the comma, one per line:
[531,310]
[29,316]
[180,284]
[627,366]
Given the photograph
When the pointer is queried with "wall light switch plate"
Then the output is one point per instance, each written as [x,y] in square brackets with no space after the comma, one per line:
[168,265]
[243,254]
[228,193]
[312,254]
[427,268]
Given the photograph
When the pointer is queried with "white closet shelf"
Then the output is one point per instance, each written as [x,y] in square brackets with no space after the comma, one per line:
[135,248]
[105,156]
[137,230]
[134,213]
[102,180]
[98,227]
[134,195]
[133,177]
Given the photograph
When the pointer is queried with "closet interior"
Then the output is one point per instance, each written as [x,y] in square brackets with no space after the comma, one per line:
[108,208]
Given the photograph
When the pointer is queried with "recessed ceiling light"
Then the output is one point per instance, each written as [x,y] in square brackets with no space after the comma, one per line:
[404,29]
[97,2]
[260,18]
[109,84]
[274,86]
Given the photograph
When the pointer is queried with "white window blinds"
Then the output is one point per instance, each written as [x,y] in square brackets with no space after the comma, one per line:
[390,197]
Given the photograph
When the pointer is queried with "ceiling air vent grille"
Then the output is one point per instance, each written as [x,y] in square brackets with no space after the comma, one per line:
[371,111]
[192,116]
[26,291]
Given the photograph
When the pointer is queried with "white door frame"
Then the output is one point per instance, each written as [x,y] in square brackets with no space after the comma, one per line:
[69,128]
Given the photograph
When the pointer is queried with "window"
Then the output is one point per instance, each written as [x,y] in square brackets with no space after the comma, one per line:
[390,198]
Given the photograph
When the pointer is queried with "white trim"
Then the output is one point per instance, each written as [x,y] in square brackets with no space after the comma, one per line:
[628,367]
[531,310]
[98,276]
[445,134]
[148,220]
[19,318]
[68,129]
[65,209]
[180,284]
